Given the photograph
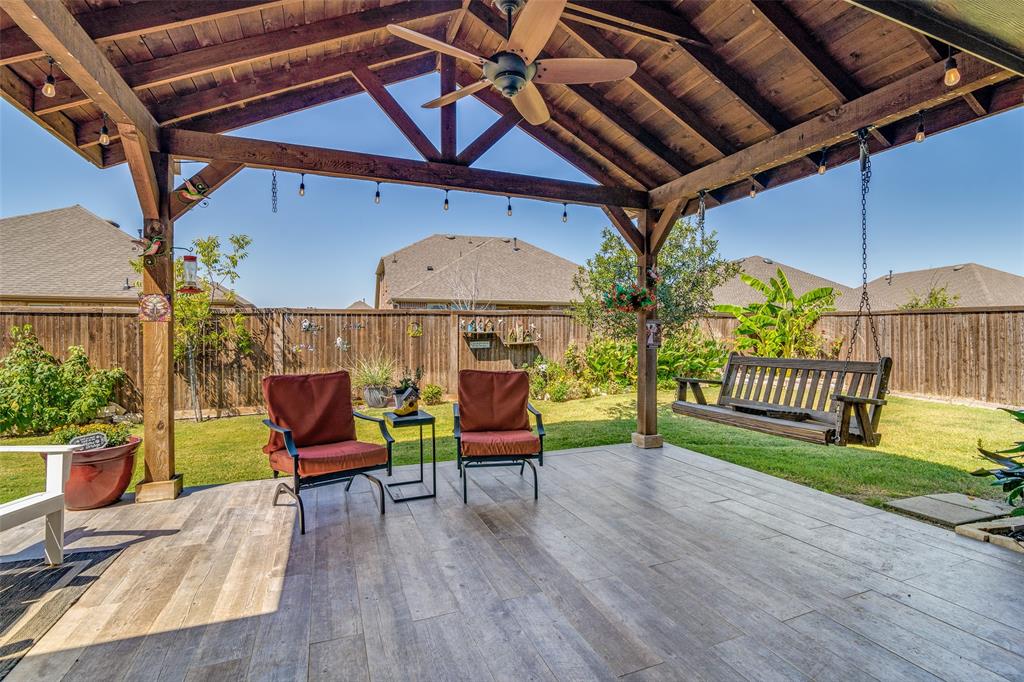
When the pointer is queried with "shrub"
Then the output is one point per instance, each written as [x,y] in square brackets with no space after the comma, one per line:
[374,371]
[611,361]
[117,434]
[432,394]
[560,391]
[690,354]
[38,393]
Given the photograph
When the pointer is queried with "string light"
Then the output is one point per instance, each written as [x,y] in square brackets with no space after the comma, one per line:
[822,166]
[753,190]
[952,75]
[50,86]
[508,209]
[446,200]
[376,196]
[919,135]
[565,213]
[104,132]
[302,185]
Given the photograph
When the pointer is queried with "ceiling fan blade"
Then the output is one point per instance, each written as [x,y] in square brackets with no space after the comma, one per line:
[456,94]
[582,70]
[535,25]
[434,44]
[530,104]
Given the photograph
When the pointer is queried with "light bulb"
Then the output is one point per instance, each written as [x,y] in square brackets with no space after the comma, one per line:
[508,209]
[919,135]
[104,135]
[952,76]
[446,200]
[302,186]
[49,87]
[753,191]
[822,168]
[376,196]
[565,213]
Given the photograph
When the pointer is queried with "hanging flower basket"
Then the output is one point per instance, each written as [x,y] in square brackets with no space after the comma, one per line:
[629,298]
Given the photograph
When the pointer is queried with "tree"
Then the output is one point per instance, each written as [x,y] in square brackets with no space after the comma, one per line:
[690,269]
[937,297]
[781,326]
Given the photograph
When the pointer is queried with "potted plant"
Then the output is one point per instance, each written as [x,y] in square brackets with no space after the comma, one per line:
[373,376]
[99,475]
[409,380]
[1009,476]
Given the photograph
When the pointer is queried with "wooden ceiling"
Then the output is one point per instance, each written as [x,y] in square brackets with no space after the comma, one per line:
[719,80]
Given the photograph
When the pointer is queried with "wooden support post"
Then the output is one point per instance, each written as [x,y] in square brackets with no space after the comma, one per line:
[160,481]
[646,435]
[449,150]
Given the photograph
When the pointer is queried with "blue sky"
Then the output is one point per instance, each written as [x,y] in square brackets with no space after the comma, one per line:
[958,197]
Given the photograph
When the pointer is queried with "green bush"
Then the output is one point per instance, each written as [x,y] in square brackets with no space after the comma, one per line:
[374,371]
[38,393]
[560,391]
[117,434]
[610,361]
[690,354]
[432,394]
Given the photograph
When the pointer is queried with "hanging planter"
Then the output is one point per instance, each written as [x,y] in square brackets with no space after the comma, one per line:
[629,298]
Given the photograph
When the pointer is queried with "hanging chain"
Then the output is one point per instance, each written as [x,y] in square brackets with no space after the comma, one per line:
[273,191]
[865,301]
[701,211]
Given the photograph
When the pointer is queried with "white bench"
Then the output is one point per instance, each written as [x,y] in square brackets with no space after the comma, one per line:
[49,503]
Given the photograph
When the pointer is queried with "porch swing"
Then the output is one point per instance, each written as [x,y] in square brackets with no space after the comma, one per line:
[830,402]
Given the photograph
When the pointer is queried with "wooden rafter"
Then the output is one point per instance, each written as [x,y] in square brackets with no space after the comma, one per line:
[126,21]
[625,227]
[646,17]
[661,228]
[394,111]
[449,137]
[920,90]
[487,139]
[337,163]
[205,60]
[212,175]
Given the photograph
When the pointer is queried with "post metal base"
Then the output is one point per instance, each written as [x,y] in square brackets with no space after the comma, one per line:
[647,441]
[155,491]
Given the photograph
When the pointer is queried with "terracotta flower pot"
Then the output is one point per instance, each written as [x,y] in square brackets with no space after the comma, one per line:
[100,477]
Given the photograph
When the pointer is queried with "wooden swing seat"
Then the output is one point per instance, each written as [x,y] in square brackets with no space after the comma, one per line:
[830,402]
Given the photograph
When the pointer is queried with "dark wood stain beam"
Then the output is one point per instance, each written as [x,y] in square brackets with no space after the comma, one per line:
[625,227]
[487,139]
[213,176]
[204,60]
[650,17]
[394,111]
[449,122]
[338,163]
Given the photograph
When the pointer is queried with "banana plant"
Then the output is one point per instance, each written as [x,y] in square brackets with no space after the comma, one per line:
[1010,475]
[781,325]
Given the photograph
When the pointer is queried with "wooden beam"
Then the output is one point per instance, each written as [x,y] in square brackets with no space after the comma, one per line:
[646,434]
[656,18]
[336,163]
[212,176]
[144,177]
[663,226]
[55,30]
[456,23]
[923,20]
[485,140]
[921,90]
[394,111]
[449,137]
[163,70]
[625,227]
[126,21]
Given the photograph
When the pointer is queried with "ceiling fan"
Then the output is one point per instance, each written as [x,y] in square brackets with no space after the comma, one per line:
[513,69]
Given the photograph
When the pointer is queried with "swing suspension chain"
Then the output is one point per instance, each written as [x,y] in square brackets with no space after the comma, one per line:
[865,301]
[701,209]
[273,191]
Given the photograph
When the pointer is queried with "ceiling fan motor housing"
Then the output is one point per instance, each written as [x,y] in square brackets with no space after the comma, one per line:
[509,73]
[506,5]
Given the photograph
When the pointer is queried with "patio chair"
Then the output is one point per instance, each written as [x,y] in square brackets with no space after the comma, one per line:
[313,435]
[492,427]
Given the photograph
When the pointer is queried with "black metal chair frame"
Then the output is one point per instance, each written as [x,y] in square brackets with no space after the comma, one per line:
[466,462]
[304,482]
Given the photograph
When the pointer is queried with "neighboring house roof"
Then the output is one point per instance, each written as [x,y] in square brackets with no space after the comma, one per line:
[67,254]
[443,268]
[359,305]
[737,292]
[974,285]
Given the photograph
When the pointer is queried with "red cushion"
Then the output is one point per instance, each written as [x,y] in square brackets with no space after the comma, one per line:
[493,401]
[496,443]
[316,407]
[327,459]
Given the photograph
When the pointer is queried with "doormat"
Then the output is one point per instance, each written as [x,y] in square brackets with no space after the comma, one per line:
[34,596]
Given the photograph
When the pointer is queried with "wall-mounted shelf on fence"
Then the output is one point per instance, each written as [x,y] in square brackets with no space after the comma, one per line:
[479,333]
[513,344]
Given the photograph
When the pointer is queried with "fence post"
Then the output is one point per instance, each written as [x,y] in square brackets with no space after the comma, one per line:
[454,346]
[277,340]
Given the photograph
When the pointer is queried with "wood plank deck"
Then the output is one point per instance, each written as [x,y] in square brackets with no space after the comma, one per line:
[639,565]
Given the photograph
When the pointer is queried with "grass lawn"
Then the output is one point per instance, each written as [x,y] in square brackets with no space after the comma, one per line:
[926,447]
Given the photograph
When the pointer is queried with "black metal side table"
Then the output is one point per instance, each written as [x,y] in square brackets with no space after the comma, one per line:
[419,419]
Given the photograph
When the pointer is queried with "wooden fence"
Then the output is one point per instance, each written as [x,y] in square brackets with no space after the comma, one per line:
[975,354]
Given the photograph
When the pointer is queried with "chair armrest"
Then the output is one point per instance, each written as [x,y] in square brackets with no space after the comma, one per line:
[540,421]
[857,400]
[457,425]
[379,421]
[693,380]
[289,442]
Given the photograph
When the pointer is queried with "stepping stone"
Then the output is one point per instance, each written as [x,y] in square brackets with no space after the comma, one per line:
[951,509]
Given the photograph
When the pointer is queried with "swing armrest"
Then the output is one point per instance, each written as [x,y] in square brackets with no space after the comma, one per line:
[857,400]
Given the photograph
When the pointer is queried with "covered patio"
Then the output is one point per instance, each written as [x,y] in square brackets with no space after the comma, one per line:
[638,561]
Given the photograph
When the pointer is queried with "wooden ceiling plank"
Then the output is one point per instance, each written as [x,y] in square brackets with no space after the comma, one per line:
[259,47]
[337,163]
[934,26]
[645,16]
[212,175]
[394,111]
[921,90]
[488,138]
[125,21]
